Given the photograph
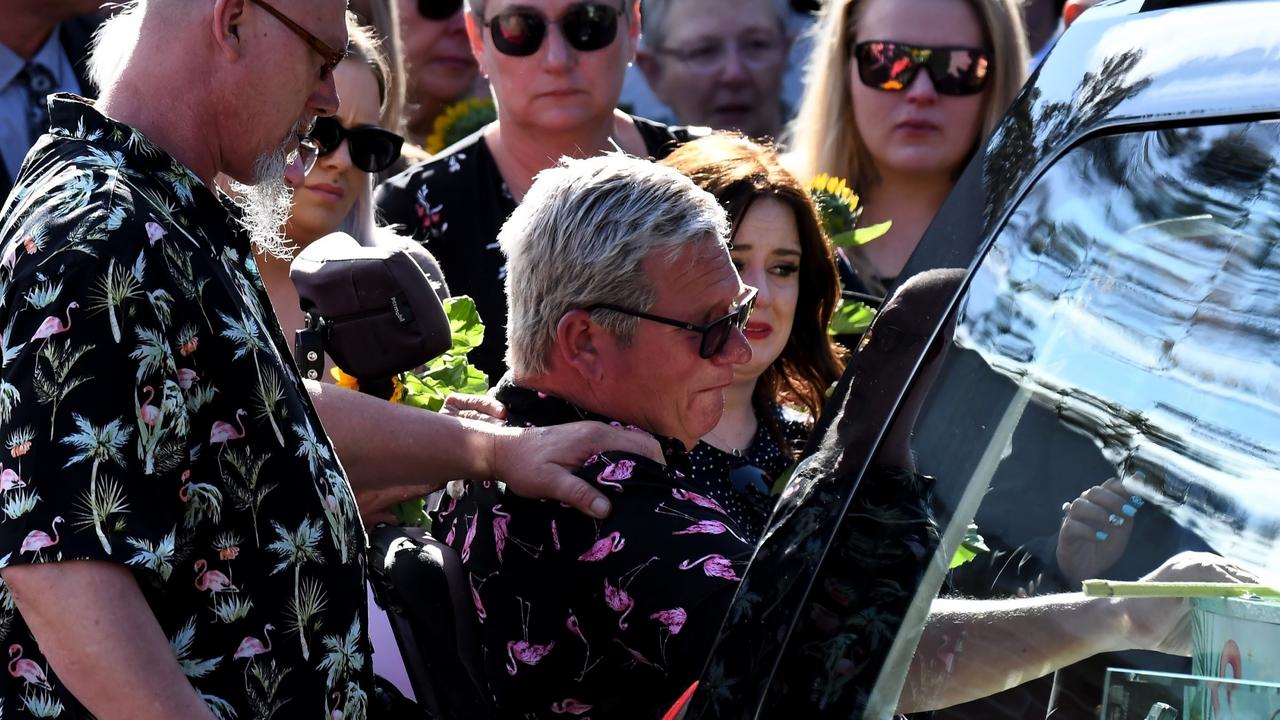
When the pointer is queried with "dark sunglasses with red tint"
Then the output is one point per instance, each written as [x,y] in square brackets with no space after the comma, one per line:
[715,334]
[438,9]
[519,32]
[892,66]
[372,149]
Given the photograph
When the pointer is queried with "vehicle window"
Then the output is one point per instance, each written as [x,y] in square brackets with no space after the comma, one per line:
[1125,324]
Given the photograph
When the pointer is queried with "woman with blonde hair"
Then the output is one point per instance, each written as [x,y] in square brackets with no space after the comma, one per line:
[899,94]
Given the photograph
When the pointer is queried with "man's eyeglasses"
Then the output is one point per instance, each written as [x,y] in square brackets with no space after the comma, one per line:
[892,66]
[372,149]
[586,27]
[757,53]
[330,56]
[715,334]
[438,9]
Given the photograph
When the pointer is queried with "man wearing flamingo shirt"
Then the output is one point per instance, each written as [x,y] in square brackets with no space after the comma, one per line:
[179,538]
[625,307]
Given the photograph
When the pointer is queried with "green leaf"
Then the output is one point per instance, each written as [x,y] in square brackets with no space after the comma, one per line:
[851,318]
[970,547]
[464,323]
[862,236]
[412,512]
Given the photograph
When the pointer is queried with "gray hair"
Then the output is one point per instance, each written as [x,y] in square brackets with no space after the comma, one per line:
[580,237]
[653,19]
[477,6]
[113,43]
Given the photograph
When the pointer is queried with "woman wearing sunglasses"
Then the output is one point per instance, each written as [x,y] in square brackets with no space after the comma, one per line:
[555,68]
[337,192]
[779,249]
[899,94]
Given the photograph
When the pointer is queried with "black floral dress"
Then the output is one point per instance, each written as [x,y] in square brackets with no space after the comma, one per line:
[455,204]
[152,418]
[603,619]
[743,483]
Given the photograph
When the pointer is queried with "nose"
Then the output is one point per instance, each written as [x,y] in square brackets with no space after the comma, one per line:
[339,159]
[324,98]
[921,88]
[557,55]
[736,350]
[758,278]
[734,68]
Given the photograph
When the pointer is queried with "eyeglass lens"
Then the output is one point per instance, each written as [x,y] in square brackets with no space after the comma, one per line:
[371,149]
[717,335]
[892,67]
[438,9]
[755,52]
[586,27]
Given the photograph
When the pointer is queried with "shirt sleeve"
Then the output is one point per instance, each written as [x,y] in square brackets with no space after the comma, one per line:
[95,426]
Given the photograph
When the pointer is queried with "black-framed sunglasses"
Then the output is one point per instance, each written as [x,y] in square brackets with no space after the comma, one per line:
[372,149]
[892,66]
[586,27]
[330,56]
[715,334]
[438,9]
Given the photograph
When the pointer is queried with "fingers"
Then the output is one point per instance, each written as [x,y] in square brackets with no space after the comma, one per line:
[475,407]
[577,493]
[602,438]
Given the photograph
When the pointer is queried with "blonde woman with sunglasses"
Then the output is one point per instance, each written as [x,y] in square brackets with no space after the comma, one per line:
[899,94]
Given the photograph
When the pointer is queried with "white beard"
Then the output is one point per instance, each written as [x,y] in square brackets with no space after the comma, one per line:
[267,202]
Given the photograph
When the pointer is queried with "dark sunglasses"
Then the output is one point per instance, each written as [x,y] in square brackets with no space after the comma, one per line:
[586,27]
[330,56]
[892,66]
[438,9]
[372,149]
[748,479]
[715,334]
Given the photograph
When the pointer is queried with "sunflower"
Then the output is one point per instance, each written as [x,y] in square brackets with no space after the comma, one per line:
[837,205]
[458,121]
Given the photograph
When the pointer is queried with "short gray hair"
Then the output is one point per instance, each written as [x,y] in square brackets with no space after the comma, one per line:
[113,43]
[653,19]
[580,237]
[477,6]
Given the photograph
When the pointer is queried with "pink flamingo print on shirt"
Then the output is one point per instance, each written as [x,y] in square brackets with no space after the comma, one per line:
[572,623]
[673,620]
[500,520]
[714,565]
[615,473]
[252,646]
[465,555]
[522,650]
[53,325]
[481,613]
[186,378]
[149,413]
[224,432]
[570,706]
[38,540]
[696,499]
[618,600]
[611,543]
[212,580]
[28,670]
[9,480]
[699,527]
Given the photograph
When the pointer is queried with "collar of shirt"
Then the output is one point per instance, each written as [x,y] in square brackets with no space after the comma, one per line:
[76,119]
[51,55]
[525,406]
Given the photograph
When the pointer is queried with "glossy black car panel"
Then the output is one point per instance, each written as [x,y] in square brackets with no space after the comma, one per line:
[1119,315]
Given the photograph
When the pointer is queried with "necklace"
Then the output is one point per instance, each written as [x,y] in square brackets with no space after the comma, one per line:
[715,441]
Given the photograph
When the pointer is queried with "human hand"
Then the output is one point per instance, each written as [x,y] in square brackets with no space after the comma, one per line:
[475,407]
[539,462]
[1095,530]
[1164,624]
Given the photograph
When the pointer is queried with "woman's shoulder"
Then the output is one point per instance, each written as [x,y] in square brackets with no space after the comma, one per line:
[660,139]
[458,165]
[425,199]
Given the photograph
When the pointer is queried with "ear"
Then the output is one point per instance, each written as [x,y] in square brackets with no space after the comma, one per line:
[475,37]
[578,344]
[648,64]
[227,18]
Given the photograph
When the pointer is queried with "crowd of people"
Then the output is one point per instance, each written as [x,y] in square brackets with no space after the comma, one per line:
[184,526]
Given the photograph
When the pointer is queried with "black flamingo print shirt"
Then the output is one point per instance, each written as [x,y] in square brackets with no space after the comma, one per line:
[595,619]
[151,417]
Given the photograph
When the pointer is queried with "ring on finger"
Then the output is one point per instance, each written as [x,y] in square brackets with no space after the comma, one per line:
[1115,520]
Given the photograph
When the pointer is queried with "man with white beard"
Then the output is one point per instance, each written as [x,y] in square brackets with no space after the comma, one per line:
[178,536]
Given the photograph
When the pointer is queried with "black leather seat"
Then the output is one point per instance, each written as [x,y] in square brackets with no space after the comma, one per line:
[420,582]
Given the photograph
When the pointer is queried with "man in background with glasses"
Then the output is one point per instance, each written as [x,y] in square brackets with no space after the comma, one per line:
[178,536]
[718,63]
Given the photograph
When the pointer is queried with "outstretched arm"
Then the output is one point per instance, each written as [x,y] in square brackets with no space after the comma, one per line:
[411,452]
[974,648]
